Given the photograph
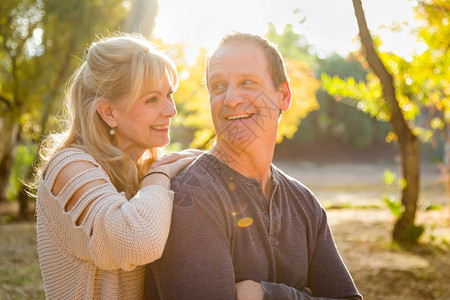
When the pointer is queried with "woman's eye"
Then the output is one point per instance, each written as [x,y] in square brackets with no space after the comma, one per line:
[151,100]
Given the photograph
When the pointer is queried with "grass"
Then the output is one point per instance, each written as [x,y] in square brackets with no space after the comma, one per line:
[20,275]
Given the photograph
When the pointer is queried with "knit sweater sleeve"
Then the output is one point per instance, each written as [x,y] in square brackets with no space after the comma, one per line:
[115,233]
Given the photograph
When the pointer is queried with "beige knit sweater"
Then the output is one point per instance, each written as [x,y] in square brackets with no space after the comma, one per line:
[104,257]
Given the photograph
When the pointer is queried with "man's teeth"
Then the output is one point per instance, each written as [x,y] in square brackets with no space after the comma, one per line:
[239,117]
[160,127]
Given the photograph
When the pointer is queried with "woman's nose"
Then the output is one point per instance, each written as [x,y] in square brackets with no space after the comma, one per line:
[170,110]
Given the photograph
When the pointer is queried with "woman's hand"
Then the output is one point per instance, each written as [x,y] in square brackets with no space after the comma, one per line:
[249,290]
[174,163]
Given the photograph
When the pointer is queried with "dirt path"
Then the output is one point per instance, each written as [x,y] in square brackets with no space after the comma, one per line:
[361,183]
[363,236]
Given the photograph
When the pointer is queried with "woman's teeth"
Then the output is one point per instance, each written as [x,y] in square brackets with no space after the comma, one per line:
[161,127]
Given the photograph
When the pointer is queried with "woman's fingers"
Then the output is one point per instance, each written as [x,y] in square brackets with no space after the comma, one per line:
[175,167]
[170,158]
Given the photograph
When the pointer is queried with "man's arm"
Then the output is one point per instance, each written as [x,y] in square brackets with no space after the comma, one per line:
[196,263]
[328,275]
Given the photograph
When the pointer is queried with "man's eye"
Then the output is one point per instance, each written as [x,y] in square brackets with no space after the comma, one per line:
[247,82]
[217,87]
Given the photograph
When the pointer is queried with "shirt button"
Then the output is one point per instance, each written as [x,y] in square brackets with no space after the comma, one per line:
[258,192]
[267,208]
[275,225]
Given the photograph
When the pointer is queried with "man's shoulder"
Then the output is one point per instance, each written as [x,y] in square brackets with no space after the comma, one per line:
[195,174]
[297,190]
[291,182]
[194,182]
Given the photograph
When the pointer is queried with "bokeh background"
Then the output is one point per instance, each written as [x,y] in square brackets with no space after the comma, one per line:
[363,124]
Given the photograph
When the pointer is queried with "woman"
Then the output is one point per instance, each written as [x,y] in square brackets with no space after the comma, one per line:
[102,213]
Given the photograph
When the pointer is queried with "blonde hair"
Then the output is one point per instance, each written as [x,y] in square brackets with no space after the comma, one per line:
[127,64]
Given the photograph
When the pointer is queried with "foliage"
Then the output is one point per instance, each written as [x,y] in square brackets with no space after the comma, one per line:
[421,84]
[24,158]
[192,102]
[432,67]
[34,49]
[40,41]
[290,44]
[303,88]
[394,206]
[337,121]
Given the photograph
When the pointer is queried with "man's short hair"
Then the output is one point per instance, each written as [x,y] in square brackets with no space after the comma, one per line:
[274,59]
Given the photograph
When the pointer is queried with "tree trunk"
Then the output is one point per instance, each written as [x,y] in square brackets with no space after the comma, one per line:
[23,196]
[403,229]
[10,135]
[141,18]
[446,170]
[447,156]
[409,144]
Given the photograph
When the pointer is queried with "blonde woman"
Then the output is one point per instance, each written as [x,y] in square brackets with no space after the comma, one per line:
[102,211]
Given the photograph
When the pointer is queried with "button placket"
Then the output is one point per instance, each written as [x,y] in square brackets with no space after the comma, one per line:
[275,222]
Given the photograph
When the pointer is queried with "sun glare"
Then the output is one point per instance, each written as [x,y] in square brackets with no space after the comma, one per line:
[329,25]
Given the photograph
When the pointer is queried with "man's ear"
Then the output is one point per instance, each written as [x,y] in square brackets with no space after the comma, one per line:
[106,111]
[286,96]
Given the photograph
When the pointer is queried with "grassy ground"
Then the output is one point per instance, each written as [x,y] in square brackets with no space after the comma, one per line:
[20,276]
[362,229]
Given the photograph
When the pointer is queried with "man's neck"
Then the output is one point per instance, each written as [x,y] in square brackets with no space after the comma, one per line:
[252,162]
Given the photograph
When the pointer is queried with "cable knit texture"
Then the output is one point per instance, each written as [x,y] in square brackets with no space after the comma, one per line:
[104,256]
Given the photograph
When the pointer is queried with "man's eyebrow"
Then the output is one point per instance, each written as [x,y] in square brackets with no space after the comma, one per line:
[242,75]
[214,75]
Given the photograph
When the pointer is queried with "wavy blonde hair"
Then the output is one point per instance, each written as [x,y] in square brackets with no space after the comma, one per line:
[123,65]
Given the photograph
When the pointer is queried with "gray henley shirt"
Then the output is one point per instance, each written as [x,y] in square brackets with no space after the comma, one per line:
[224,230]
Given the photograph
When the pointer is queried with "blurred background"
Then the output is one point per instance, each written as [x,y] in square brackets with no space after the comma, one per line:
[370,112]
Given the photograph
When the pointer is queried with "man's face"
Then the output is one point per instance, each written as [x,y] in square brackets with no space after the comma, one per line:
[244,103]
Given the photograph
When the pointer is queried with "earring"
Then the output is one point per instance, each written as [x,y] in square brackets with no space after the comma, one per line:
[112,132]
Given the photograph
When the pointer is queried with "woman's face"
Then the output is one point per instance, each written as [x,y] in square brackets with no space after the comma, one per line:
[146,124]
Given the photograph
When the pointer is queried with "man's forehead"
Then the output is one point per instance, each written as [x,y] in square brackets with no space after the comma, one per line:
[238,54]
[236,47]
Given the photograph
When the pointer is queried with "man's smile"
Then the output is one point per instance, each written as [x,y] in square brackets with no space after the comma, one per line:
[239,117]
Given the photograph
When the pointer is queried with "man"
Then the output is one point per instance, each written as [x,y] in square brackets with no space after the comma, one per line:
[241,228]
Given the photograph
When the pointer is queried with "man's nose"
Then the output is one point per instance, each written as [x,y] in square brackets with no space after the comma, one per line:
[233,97]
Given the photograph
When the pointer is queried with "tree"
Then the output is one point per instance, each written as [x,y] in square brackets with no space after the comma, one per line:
[141,18]
[408,141]
[39,45]
[398,91]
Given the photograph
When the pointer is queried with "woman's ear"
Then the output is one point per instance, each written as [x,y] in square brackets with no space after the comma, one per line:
[106,111]
[285,91]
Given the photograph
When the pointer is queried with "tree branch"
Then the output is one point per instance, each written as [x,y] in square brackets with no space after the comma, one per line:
[6,101]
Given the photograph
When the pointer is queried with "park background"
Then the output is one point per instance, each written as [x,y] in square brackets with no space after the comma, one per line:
[360,124]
